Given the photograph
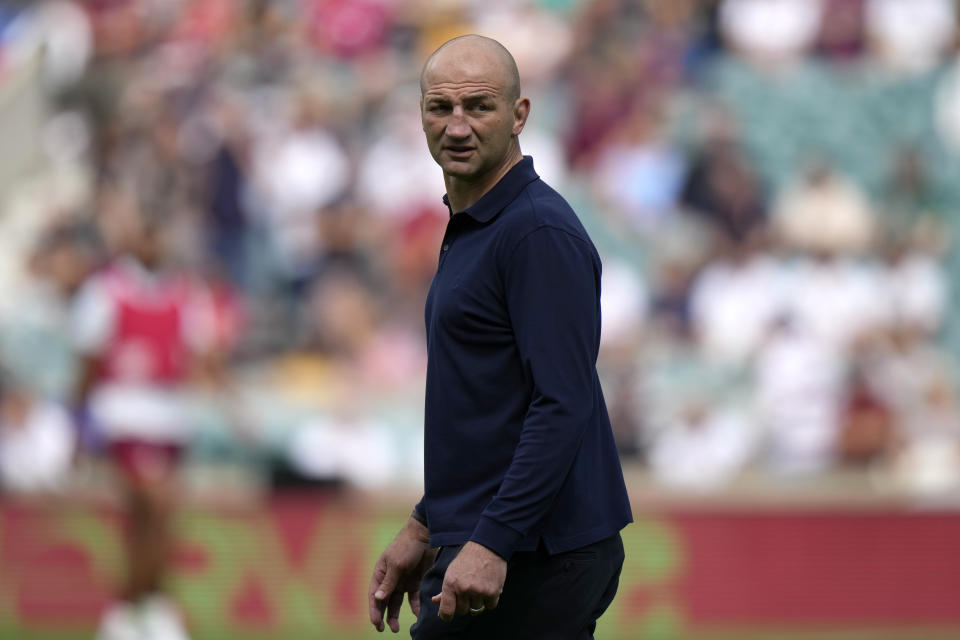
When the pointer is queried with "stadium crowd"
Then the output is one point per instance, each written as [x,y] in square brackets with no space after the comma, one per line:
[771,183]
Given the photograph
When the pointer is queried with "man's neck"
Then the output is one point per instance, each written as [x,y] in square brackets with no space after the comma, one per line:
[463,194]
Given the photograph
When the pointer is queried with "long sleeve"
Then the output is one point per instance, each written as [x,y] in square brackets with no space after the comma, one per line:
[552,289]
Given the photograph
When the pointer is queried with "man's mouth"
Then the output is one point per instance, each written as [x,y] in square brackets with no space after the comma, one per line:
[459,150]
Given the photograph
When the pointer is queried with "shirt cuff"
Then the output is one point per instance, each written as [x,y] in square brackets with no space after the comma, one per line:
[419,514]
[497,537]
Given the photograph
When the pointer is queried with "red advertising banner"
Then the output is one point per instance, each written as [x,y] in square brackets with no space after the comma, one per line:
[298,567]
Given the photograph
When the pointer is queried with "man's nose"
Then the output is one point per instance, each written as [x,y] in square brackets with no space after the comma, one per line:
[457,126]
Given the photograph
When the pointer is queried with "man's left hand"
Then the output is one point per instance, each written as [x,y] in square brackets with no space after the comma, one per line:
[472,583]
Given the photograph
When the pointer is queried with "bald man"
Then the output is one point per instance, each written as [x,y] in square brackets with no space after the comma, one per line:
[517,533]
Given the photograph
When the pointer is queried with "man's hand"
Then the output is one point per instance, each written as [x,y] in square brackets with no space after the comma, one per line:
[399,570]
[473,582]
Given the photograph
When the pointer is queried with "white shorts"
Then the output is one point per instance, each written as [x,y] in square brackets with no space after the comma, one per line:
[144,412]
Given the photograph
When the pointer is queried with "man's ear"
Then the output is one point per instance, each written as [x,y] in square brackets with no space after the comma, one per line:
[521,109]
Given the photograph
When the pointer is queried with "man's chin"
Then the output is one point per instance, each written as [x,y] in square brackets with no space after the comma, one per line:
[459,168]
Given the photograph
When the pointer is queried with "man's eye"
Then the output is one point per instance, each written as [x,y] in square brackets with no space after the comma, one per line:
[482,107]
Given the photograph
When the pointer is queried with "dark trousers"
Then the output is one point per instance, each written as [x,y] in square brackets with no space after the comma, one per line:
[545,597]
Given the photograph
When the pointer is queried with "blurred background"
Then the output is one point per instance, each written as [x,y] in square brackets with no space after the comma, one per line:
[774,186]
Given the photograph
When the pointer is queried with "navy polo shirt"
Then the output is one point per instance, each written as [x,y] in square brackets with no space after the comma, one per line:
[517,442]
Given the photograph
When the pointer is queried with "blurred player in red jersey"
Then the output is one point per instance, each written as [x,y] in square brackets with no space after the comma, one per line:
[142,329]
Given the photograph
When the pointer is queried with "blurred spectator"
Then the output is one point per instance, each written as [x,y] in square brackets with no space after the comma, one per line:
[591,121]
[909,195]
[625,303]
[299,168]
[920,385]
[838,300]
[619,377]
[824,212]
[411,259]
[342,449]
[917,281]
[347,28]
[930,466]
[679,253]
[59,29]
[867,425]
[624,299]
[672,32]
[349,328]
[117,26]
[947,107]
[35,320]
[842,33]
[706,447]
[603,77]
[909,35]
[206,22]
[695,433]
[799,389]
[638,174]
[771,32]
[37,441]
[735,301]
[907,371]
[722,187]
[227,223]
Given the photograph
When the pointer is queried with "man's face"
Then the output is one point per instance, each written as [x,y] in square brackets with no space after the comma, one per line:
[469,120]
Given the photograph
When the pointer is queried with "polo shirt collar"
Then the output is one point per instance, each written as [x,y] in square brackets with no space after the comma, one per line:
[503,193]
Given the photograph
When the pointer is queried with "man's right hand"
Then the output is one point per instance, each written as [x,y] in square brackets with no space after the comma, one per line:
[399,570]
